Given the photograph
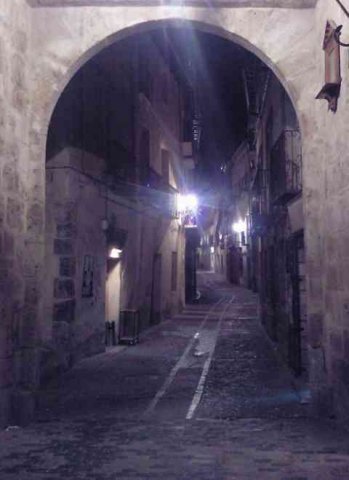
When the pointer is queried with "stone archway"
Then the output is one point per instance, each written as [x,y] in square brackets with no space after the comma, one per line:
[287,74]
[265,49]
[75,36]
[48,40]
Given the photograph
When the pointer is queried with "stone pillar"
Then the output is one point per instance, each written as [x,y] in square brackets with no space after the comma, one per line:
[21,223]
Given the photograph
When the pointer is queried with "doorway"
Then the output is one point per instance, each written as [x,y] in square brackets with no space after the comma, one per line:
[112,293]
[297,336]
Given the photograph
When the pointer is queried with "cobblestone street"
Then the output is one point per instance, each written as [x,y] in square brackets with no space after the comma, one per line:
[202,396]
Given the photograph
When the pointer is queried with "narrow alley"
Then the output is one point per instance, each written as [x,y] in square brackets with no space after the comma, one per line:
[174,239]
[202,396]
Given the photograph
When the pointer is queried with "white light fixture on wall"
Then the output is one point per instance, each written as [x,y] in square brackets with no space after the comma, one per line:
[115,253]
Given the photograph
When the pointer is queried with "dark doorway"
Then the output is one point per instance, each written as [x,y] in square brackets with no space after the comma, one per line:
[155,313]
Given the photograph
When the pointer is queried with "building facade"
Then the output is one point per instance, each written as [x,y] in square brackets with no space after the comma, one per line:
[263,229]
[114,242]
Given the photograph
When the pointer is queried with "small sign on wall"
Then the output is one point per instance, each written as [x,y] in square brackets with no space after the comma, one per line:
[87,276]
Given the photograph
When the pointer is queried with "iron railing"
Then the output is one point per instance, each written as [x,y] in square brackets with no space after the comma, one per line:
[146,186]
[286,167]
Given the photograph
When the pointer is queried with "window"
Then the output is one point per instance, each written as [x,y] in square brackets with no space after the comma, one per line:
[174,272]
[165,166]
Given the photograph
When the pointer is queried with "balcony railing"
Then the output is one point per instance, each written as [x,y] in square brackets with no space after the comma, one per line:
[150,189]
[157,193]
[286,167]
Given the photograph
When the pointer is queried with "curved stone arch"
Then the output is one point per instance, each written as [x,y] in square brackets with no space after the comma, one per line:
[208,26]
[292,65]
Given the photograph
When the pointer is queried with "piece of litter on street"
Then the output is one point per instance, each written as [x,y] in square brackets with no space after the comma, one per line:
[12,427]
[198,353]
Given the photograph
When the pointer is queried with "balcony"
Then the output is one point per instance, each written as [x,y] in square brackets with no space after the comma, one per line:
[286,167]
[148,188]
[259,224]
[157,193]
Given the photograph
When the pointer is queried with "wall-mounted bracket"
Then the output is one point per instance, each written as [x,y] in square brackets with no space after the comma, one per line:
[337,36]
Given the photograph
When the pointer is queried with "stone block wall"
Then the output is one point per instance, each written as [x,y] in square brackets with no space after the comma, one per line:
[21,221]
[277,291]
[159,114]
[328,267]
[76,205]
[78,198]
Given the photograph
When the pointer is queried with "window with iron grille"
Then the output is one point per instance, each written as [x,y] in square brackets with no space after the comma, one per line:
[286,166]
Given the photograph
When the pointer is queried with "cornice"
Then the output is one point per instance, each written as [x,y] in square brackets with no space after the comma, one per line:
[297,4]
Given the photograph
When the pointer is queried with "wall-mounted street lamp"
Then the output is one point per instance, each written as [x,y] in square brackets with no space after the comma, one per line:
[332,82]
[331,88]
[187,203]
[116,239]
[239,227]
[115,253]
[187,206]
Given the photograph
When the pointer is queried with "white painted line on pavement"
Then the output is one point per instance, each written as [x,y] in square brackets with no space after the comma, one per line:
[200,388]
[178,365]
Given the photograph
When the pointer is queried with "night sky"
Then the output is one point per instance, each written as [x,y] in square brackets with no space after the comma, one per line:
[213,66]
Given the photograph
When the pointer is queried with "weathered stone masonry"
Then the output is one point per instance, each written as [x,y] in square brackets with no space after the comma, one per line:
[22,219]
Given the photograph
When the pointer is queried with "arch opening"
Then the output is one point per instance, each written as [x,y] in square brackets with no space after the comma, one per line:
[229,126]
[179,23]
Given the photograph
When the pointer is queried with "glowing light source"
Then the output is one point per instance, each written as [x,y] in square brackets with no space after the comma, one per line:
[240,226]
[192,202]
[115,252]
[187,203]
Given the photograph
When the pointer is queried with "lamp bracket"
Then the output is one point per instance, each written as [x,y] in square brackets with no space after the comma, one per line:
[337,33]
